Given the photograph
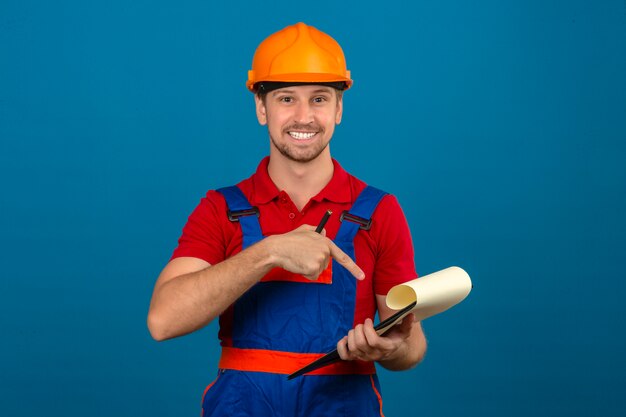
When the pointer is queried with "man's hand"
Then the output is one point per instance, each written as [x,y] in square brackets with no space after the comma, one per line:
[365,344]
[304,252]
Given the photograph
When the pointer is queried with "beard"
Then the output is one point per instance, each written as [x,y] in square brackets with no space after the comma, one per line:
[293,153]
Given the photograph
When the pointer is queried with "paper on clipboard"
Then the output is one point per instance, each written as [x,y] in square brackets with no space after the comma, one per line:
[432,294]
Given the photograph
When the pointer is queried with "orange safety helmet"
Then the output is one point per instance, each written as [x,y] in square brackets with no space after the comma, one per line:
[298,54]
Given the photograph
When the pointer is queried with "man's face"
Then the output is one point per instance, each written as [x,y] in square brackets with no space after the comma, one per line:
[300,119]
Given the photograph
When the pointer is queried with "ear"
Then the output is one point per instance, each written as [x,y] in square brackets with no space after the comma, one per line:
[339,111]
[261,112]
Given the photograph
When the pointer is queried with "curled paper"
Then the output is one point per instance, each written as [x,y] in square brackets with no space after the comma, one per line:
[432,294]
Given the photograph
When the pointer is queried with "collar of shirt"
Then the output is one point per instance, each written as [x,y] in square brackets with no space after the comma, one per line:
[337,190]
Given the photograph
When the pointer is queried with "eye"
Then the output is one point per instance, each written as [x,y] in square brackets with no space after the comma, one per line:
[319,99]
[286,99]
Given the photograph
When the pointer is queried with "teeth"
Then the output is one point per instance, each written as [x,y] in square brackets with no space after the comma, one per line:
[301,135]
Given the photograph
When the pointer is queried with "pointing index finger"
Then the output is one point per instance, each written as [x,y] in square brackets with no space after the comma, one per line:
[345,260]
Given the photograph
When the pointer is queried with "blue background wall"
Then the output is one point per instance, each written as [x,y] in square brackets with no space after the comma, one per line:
[500,126]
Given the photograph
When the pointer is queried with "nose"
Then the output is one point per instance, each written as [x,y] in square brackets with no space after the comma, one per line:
[303,113]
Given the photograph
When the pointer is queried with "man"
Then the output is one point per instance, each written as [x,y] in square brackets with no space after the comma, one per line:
[285,294]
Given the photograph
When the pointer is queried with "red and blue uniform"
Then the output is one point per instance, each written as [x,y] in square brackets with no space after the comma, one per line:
[286,321]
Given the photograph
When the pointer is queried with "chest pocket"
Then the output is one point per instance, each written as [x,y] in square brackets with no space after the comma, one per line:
[279,274]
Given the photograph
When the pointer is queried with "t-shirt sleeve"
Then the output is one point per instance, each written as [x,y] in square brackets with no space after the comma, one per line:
[203,235]
[395,263]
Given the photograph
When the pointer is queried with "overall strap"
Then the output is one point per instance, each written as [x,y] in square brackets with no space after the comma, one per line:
[360,214]
[240,210]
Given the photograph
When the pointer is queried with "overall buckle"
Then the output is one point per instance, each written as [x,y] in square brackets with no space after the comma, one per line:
[364,224]
[234,215]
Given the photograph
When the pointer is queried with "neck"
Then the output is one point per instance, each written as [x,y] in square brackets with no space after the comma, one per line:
[302,181]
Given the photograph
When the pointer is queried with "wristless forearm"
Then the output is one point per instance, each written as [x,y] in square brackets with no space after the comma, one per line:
[191,301]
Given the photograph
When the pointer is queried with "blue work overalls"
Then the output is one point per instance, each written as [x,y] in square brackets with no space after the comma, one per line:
[295,317]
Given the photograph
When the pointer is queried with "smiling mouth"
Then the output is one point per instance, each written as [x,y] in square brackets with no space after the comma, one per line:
[302,135]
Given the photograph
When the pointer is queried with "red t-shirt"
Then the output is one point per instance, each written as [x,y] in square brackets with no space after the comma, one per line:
[384,253]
